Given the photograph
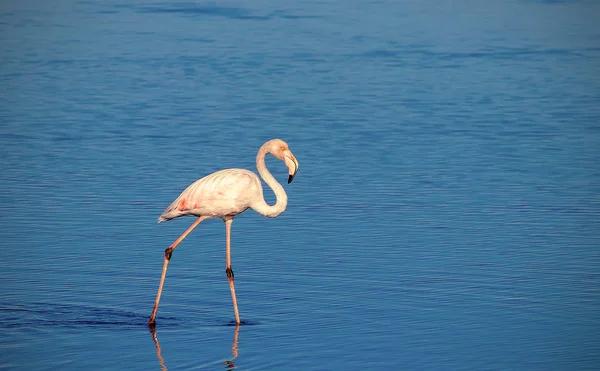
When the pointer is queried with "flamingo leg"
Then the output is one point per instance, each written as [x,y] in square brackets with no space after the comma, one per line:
[168,253]
[228,269]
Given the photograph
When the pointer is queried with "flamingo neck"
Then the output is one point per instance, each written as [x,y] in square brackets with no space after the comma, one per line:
[261,206]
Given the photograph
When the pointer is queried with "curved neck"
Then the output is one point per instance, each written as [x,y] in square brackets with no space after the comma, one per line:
[261,206]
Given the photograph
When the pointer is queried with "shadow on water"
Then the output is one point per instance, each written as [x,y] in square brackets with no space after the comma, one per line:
[229,364]
[235,13]
[76,315]
[79,315]
[66,315]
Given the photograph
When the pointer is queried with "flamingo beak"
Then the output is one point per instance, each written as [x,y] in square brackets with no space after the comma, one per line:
[291,163]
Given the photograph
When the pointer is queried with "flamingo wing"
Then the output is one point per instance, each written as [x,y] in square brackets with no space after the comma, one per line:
[223,193]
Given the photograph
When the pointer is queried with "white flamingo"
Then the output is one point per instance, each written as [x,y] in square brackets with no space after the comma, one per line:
[225,194]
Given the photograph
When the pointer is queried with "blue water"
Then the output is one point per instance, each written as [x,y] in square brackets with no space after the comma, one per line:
[446,214]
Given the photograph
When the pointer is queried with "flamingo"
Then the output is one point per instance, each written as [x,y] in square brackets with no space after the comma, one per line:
[225,194]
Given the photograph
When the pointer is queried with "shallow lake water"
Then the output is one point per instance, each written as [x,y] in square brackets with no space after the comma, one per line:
[446,212]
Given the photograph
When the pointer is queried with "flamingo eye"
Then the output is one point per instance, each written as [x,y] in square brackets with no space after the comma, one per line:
[283,148]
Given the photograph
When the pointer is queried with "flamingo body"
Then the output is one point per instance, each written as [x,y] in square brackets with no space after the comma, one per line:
[224,193]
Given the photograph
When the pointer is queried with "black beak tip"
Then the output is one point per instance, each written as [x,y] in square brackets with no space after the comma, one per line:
[290,179]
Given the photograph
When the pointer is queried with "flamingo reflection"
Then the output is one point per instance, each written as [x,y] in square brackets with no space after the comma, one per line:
[229,364]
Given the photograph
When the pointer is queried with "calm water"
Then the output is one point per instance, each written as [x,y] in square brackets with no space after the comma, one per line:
[446,214]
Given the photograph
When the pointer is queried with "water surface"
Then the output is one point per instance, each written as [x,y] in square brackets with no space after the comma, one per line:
[445,214]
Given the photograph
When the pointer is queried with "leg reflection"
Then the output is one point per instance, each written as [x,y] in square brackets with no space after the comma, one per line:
[161,360]
[230,365]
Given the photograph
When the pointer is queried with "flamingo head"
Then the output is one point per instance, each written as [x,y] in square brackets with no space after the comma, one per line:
[281,151]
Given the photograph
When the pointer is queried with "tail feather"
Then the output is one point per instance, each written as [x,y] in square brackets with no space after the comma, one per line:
[170,212]
[170,215]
